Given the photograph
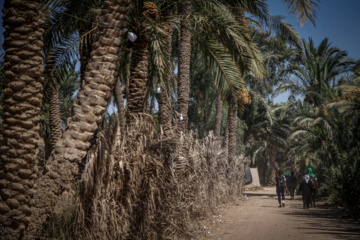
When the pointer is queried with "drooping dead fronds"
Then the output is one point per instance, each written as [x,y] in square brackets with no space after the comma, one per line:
[153,186]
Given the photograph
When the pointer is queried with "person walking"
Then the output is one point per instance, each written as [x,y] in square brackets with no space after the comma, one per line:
[314,186]
[292,182]
[287,177]
[281,187]
[305,188]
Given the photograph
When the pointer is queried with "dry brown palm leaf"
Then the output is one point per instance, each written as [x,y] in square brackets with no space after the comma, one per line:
[244,97]
[153,186]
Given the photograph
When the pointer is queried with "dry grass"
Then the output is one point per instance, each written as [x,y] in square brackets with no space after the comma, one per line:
[144,185]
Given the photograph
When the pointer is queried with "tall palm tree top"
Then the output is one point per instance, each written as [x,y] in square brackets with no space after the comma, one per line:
[316,71]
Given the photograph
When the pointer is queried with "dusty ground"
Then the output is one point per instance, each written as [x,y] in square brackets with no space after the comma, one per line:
[259,217]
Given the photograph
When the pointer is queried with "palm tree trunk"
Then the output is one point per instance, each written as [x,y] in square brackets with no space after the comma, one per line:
[146,108]
[226,143]
[54,113]
[185,10]
[138,74]
[22,91]
[63,165]
[272,162]
[120,105]
[164,110]
[85,49]
[232,116]
[262,166]
[218,116]
[264,174]
[54,104]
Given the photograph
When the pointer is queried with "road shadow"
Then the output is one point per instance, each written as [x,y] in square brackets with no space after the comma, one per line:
[315,221]
[253,194]
[325,221]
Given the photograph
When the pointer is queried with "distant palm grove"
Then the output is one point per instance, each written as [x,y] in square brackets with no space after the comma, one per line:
[192,82]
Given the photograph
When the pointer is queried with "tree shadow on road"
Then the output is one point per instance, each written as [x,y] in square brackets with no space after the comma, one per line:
[326,221]
[318,221]
[267,195]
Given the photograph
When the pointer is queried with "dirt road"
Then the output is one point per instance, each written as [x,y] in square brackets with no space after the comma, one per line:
[259,217]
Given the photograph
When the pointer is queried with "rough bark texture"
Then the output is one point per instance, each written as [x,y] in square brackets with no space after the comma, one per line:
[22,91]
[164,108]
[138,74]
[85,49]
[218,116]
[139,63]
[120,105]
[232,116]
[63,165]
[54,104]
[226,139]
[54,112]
[146,108]
[184,64]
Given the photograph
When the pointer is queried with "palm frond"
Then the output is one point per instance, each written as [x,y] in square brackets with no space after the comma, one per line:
[226,74]
[303,9]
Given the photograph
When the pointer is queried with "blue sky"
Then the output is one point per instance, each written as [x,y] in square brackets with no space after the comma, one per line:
[337,20]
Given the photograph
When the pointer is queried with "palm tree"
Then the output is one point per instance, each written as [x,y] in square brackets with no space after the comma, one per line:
[143,13]
[53,99]
[211,15]
[90,104]
[60,84]
[218,116]
[66,19]
[118,93]
[55,126]
[63,165]
[314,134]
[261,12]
[22,90]
[348,101]
[228,56]
[265,135]
[164,114]
[317,71]
[241,51]
[185,9]
[203,94]
[232,127]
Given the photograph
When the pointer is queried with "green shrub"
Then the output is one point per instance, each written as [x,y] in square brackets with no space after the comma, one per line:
[343,182]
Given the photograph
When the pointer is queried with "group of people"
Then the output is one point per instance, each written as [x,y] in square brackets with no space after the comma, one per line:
[288,183]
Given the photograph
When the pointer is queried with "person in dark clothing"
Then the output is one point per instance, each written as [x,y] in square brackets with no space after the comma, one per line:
[287,177]
[305,188]
[292,182]
[281,187]
[314,184]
